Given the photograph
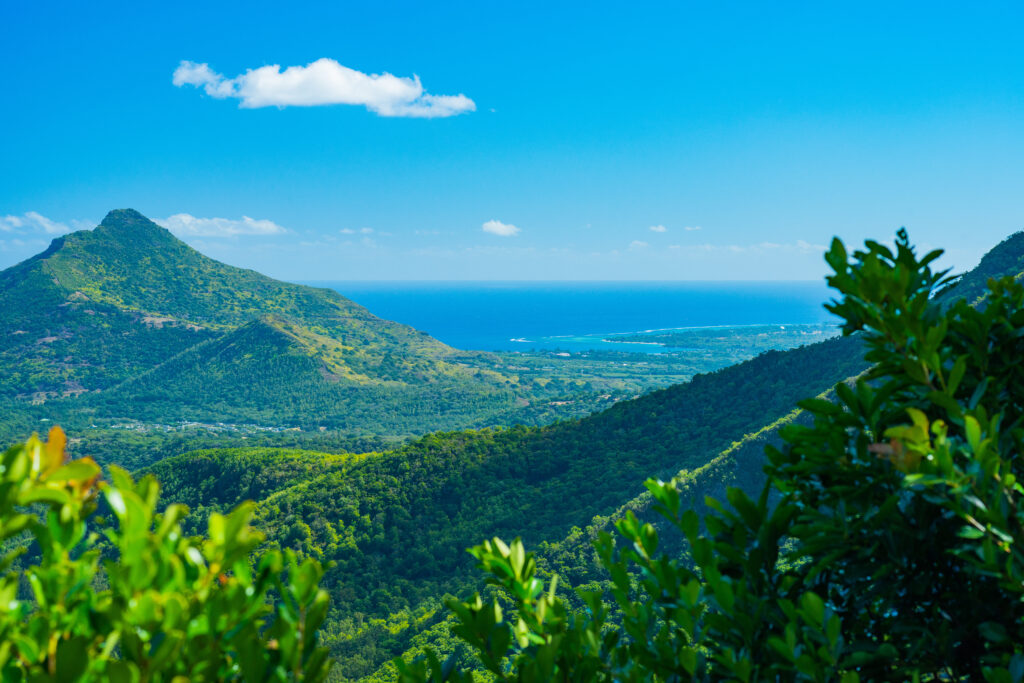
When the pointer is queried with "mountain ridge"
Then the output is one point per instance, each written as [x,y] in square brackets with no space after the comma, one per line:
[399,521]
[1005,257]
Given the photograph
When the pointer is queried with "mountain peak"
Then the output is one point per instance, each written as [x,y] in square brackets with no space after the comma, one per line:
[130,225]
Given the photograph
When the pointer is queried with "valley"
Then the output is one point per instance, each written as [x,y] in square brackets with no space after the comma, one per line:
[374,448]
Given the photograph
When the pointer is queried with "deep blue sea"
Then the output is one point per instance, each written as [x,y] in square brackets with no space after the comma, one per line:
[577,316]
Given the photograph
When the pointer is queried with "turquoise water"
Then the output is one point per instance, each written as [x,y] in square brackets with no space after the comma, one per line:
[578,316]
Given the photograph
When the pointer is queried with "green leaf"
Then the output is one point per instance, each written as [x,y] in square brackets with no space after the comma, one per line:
[819,406]
[973,432]
[43,494]
[993,632]
[814,608]
[72,658]
[79,470]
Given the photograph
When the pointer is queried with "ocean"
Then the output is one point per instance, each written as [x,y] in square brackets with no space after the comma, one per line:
[579,316]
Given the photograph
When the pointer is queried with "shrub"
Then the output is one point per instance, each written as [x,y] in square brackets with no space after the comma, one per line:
[128,597]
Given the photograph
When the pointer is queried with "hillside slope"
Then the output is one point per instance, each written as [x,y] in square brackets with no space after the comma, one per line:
[1004,259]
[397,523]
[273,371]
[126,320]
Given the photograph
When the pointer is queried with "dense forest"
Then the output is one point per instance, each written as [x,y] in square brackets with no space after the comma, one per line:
[395,524]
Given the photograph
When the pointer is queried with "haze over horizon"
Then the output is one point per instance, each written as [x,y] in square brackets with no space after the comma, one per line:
[576,142]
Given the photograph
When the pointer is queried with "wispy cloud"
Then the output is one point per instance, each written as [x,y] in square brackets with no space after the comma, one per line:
[499,228]
[33,223]
[187,225]
[800,246]
[691,228]
[807,246]
[323,82]
[638,244]
[658,228]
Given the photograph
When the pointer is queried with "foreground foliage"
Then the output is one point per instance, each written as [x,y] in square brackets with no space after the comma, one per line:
[886,545]
[133,599]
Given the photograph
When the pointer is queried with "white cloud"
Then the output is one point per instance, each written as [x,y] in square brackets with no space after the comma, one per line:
[366,231]
[33,223]
[637,244]
[807,246]
[202,76]
[659,228]
[691,228]
[499,228]
[187,225]
[800,246]
[48,226]
[323,82]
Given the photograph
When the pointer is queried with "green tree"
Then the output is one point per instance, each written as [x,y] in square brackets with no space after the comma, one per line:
[131,598]
[887,544]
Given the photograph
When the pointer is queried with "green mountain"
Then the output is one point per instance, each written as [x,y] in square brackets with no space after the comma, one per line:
[1006,258]
[396,524]
[128,321]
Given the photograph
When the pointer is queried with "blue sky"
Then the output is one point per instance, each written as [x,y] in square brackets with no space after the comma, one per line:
[745,134]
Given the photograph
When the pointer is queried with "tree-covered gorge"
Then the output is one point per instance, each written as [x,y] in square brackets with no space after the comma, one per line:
[396,524]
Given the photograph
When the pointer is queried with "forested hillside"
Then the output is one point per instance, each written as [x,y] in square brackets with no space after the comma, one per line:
[125,329]
[396,523]
[881,546]
[126,321]
[577,562]
[1004,259]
